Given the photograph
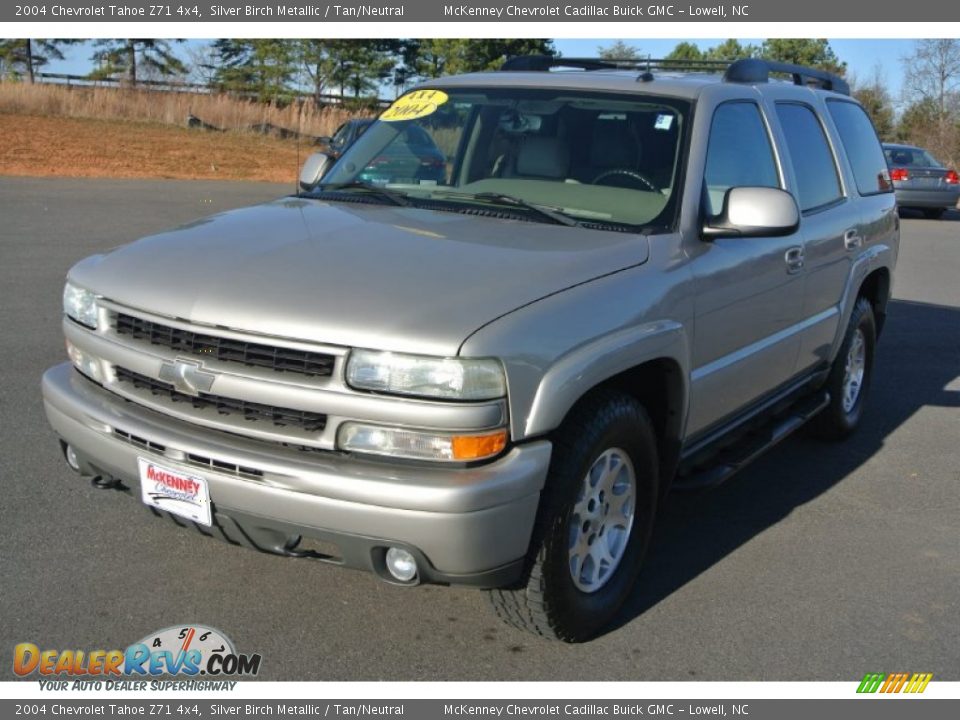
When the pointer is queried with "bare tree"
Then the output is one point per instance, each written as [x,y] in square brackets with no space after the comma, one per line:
[932,72]
[876,100]
[202,59]
[932,81]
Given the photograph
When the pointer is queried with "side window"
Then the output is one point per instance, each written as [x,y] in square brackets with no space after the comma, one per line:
[739,153]
[817,181]
[339,138]
[863,147]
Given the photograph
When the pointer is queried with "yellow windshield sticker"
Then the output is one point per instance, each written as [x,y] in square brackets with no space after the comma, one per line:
[417,104]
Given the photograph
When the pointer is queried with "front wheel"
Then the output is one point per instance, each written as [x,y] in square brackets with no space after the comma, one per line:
[849,378]
[594,522]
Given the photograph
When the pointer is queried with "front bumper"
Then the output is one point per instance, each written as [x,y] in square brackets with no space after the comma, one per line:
[928,198]
[465,525]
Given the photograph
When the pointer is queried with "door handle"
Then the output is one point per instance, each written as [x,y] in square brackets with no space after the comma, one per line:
[794,259]
[852,240]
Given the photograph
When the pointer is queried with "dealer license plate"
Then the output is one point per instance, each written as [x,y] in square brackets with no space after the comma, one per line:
[174,491]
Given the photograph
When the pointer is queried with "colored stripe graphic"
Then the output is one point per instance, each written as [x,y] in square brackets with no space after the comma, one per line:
[894,682]
[918,683]
[870,683]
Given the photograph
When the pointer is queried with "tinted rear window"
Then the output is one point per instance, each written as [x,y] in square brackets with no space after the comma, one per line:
[910,157]
[817,180]
[863,147]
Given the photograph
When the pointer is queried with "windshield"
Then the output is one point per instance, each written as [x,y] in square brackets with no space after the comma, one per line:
[595,158]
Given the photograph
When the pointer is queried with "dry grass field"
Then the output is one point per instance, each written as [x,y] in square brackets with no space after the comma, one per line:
[77,147]
[51,130]
[169,108]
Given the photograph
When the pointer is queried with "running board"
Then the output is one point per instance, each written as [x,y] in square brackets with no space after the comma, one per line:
[734,458]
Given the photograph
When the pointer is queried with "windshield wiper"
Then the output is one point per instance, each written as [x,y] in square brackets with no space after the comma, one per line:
[550,213]
[397,198]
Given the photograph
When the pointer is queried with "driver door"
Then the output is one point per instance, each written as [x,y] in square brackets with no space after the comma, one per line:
[749,291]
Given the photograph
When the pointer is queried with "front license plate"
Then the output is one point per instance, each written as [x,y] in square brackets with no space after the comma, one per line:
[175,491]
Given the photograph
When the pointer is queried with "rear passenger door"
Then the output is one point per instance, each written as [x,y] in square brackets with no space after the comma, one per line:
[830,222]
[749,291]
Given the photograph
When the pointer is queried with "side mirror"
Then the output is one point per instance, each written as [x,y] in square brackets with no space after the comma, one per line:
[315,167]
[323,140]
[754,212]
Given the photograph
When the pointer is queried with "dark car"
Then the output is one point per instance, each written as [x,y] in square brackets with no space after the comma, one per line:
[344,137]
[410,156]
[920,181]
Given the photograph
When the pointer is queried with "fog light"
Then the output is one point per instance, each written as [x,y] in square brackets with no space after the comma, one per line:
[85,363]
[401,564]
[72,460]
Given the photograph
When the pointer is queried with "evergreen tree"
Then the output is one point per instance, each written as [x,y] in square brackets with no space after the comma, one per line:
[129,57]
[876,101]
[731,49]
[685,51]
[262,67]
[435,57]
[809,52]
[619,50]
[27,56]
[349,66]
[490,54]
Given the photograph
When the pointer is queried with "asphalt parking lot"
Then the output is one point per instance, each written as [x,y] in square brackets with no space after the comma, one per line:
[819,562]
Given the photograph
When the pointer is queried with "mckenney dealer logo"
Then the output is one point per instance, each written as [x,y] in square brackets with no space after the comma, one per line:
[181,650]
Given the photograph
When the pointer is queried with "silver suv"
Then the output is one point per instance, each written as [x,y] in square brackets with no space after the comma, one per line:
[481,346]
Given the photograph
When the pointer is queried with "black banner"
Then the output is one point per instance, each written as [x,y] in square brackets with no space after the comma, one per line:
[450,11]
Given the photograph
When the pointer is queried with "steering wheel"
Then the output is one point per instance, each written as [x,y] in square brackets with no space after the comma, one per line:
[626,172]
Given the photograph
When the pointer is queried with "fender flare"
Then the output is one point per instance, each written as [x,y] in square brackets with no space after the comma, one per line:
[586,367]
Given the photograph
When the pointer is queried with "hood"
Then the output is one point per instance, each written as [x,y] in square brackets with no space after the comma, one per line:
[355,275]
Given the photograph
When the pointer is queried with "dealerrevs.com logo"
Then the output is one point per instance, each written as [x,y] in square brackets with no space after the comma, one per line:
[184,651]
[887,683]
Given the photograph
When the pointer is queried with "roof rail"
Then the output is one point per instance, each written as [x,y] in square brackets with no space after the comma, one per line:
[757,70]
[748,70]
[542,63]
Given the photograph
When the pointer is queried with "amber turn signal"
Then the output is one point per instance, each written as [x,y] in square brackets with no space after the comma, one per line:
[474,447]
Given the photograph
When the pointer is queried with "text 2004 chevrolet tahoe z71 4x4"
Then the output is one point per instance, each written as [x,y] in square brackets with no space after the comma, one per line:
[480,347]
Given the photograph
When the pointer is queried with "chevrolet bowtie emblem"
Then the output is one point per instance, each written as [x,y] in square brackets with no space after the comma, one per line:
[187,377]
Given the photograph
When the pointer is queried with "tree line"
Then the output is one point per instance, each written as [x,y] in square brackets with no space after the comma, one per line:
[930,98]
[277,70]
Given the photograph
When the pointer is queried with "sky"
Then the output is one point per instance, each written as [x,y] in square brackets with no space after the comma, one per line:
[863,57]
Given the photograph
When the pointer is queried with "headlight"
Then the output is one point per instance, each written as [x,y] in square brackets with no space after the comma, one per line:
[430,377]
[80,305]
[420,444]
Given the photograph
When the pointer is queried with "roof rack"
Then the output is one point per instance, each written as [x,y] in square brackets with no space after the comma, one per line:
[747,70]
[757,70]
[542,63]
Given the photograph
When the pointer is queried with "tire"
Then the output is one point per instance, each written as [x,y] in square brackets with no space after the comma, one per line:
[933,213]
[607,436]
[847,395]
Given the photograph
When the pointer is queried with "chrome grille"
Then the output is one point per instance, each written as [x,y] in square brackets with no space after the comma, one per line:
[250,411]
[280,359]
